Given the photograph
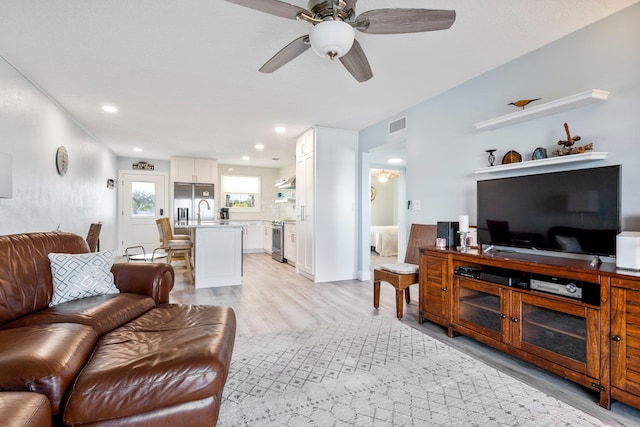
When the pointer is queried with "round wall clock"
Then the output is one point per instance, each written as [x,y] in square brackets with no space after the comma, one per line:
[62,160]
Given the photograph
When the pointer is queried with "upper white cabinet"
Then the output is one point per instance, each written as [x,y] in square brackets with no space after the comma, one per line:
[534,111]
[185,169]
[304,144]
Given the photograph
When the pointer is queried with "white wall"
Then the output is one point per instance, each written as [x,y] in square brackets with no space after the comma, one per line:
[443,146]
[32,127]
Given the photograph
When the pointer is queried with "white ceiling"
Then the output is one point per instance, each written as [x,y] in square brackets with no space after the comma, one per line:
[184,73]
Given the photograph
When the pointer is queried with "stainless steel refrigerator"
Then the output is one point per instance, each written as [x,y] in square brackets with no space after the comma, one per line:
[188,198]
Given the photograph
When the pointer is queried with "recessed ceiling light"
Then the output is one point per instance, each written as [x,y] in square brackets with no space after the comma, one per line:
[259,147]
[109,109]
[245,157]
[395,160]
[281,129]
[137,149]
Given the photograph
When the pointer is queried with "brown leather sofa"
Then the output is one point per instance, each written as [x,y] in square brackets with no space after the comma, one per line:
[125,359]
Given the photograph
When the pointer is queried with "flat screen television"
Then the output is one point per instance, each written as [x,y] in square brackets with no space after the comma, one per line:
[575,211]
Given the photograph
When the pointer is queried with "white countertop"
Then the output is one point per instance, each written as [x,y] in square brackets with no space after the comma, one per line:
[208,224]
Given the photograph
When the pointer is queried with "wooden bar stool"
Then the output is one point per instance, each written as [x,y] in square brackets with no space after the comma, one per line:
[403,275]
[175,248]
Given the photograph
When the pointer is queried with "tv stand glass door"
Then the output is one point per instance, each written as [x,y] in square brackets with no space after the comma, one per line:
[547,326]
[558,331]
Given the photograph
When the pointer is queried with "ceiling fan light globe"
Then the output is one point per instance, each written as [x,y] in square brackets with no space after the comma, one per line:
[331,39]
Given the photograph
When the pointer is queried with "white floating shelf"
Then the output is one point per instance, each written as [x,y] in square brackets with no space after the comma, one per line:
[562,104]
[571,158]
[285,199]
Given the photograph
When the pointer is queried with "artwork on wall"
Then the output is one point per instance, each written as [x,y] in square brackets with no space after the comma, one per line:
[143,166]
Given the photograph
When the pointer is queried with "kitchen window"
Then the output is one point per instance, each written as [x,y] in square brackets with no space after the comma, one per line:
[241,193]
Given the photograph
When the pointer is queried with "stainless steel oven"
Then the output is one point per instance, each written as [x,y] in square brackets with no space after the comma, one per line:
[277,241]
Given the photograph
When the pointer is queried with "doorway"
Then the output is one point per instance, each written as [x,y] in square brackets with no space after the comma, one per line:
[384,216]
[378,158]
[143,198]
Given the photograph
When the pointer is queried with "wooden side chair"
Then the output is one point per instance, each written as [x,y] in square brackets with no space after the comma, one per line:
[93,236]
[403,275]
[175,248]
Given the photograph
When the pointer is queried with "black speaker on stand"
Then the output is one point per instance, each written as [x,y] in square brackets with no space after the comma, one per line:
[449,232]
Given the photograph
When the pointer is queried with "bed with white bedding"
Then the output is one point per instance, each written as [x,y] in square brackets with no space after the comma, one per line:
[384,239]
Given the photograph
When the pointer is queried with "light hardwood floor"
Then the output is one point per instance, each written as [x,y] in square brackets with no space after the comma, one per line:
[273,298]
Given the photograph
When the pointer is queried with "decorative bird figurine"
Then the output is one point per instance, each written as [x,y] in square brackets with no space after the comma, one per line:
[523,102]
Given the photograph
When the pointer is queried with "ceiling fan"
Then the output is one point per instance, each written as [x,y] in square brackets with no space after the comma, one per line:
[333,35]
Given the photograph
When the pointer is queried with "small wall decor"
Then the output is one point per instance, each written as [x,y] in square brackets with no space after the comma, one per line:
[111,184]
[567,146]
[511,157]
[143,165]
[523,102]
[62,160]
[492,157]
[539,153]
[373,193]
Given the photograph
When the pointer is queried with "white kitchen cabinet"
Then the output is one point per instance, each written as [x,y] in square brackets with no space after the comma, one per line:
[326,193]
[305,144]
[185,169]
[290,247]
[252,239]
[304,205]
[267,237]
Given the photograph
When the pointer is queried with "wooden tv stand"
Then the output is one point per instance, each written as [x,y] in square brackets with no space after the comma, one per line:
[594,342]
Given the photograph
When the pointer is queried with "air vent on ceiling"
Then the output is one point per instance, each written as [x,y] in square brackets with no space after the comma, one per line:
[398,125]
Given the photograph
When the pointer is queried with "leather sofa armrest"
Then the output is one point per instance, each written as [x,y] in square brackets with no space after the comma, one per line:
[152,279]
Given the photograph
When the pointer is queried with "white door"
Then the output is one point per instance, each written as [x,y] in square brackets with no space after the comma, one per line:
[143,199]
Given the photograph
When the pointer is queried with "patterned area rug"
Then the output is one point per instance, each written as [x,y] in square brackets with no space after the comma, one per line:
[376,372]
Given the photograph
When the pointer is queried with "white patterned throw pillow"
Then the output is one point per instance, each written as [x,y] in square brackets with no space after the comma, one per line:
[78,276]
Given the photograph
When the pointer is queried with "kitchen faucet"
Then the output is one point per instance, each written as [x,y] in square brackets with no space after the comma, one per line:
[199,218]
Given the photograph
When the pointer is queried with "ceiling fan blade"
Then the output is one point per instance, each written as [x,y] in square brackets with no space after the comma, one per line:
[400,21]
[355,61]
[274,7]
[286,54]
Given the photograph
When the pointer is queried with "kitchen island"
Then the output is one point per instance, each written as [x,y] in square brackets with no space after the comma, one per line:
[218,252]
